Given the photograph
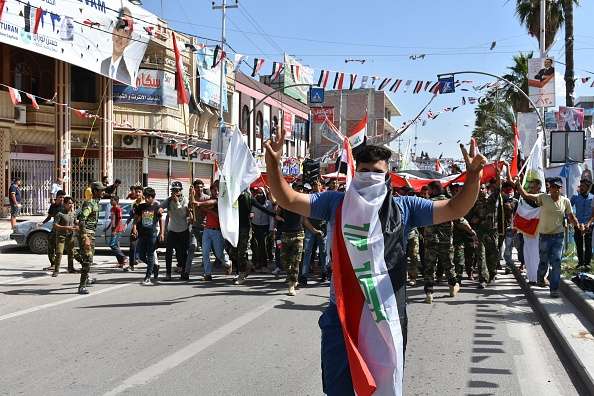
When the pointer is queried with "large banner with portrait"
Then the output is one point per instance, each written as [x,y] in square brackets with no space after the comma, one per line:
[100,35]
[541,81]
[210,79]
[153,87]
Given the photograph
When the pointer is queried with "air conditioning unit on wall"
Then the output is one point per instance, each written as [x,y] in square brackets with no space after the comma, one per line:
[20,114]
[129,141]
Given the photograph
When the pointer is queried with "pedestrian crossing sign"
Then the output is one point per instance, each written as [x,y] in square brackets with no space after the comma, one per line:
[316,95]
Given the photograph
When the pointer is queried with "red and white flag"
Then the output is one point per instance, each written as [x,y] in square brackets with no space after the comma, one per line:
[349,160]
[513,169]
[357,135]
[277,68]
[182,95]
[258,63]
[1,8]
[323,80]
[33,101]
[38,14]
[526,218]
[15,96]
[215,171]
[439,167]
[338,81]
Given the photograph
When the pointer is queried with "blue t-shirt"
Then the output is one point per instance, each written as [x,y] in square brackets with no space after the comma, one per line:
[583,207]
[17,192]
[415,211]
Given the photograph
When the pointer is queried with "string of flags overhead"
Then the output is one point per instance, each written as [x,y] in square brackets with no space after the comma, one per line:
[189,143]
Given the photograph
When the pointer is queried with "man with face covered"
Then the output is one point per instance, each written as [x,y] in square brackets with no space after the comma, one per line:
[115,66]
[397,215]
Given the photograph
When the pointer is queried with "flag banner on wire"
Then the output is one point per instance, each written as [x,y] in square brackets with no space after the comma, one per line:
[218,56]
[15,96]
[323,80]
[258,63]
[277,69]
[338,81]
[353,81]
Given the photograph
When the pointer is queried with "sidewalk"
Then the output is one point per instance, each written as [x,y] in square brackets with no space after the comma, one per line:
[6,230]
[569,323]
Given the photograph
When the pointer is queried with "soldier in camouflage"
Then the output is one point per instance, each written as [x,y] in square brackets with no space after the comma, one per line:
[461,233]
[438,246]
[87,222]
[483,219]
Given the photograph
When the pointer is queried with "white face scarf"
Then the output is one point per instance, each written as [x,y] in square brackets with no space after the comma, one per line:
[369,184]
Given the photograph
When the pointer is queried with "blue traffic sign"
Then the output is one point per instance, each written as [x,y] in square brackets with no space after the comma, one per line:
[316,95]
[447,85]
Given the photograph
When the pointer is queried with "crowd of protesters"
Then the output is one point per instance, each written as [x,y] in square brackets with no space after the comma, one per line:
[275,240]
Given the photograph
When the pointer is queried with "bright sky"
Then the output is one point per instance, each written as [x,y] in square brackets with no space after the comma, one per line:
[455,35]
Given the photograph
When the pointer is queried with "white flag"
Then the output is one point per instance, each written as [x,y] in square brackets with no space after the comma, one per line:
[534,166]
[239,171]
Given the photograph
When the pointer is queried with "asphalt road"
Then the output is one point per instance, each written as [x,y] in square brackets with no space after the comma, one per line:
[215,338]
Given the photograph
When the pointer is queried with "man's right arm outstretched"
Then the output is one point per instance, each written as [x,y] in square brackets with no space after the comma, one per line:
[285,196]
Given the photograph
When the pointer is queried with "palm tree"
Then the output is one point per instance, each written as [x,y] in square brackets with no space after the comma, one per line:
[518,74]
[558,13]
[494,122]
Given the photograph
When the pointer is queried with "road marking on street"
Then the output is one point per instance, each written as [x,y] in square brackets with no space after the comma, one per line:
[152,372]
[65,301]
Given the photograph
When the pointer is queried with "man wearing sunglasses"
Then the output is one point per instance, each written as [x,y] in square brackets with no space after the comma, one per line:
[178,233]
[115,66]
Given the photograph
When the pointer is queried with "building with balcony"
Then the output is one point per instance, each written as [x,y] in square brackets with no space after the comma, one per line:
[258,110]
[132,139]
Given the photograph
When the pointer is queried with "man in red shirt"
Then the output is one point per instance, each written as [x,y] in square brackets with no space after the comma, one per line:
[212,238]
[117,227]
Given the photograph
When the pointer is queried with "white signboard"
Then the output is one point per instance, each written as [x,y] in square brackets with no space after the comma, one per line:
[541,81]
[99,35]
[527,126]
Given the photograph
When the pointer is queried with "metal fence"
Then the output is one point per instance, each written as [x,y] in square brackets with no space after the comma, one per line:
[36,178]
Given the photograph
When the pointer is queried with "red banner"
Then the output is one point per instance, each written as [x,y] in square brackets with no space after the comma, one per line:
[319,114]
[288,124]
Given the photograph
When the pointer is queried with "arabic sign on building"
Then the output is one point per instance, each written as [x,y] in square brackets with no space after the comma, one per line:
[153,87]
[320,114]
[210,79]
[101,36]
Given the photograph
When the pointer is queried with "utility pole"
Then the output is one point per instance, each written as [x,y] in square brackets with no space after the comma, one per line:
[543,49]
[223,7]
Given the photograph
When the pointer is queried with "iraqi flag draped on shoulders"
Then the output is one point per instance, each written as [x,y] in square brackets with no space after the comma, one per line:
[239,171]
[527,217]
[365,288]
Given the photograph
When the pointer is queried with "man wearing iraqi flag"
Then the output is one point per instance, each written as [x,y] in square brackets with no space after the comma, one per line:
[364,327]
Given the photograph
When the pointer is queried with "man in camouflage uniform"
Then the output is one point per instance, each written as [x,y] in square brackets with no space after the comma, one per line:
[87,222]
[438,246]
[462,232]
[412,254]
[483,219]
[291,227]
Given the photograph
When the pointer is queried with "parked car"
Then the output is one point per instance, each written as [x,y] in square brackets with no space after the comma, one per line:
[35,236]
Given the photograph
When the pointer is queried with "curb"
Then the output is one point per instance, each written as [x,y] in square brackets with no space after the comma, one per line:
[573,365]
[578,298]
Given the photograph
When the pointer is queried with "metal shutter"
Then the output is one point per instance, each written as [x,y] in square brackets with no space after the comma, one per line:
[203,172]
[181,172]
[36,177]
[129,171]
[158,177]
[83,171]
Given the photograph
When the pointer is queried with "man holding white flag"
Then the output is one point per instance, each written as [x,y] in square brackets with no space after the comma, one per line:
[364,327]
[239,171]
